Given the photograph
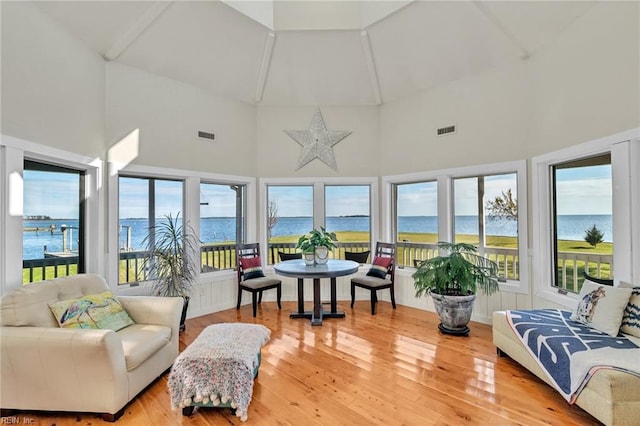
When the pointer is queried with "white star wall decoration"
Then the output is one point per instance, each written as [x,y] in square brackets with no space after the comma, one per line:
[317,142]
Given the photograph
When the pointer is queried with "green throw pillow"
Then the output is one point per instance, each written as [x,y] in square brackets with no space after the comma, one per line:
[100,310]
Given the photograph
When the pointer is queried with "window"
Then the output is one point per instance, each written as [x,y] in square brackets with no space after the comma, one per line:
[486,215]
[342,206]
[582,221]
[222,223]
[142,202]
[53,221]
[566,183]
[347,212]
[483,205]
[416,221]
[289,215]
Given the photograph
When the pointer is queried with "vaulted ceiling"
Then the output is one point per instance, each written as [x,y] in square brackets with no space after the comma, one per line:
[315,52]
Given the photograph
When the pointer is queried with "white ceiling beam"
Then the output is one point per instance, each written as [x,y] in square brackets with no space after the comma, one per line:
[137,29]
[523,52]
[371,66]
[264,65]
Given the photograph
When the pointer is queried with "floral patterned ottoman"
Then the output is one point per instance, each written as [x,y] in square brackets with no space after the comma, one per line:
[218,368]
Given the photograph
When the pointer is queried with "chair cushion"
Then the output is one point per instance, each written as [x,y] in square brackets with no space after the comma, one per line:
[140,341]
[370,281]
[260,282]
[100,310]
[251,267]
[380,266]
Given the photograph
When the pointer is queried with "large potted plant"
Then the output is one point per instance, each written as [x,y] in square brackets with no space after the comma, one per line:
[452,279]
[166,260]
[318,242]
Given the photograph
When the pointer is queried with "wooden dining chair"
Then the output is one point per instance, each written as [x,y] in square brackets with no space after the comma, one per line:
[251,278]
[381,275]
[357,256]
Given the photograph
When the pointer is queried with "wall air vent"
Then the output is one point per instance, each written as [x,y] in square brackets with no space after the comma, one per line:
[206,136]
[446,130]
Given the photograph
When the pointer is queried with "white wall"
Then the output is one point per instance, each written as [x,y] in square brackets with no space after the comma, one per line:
[169,114]
[52,85]
[491,112]
[356,155]
[586,84]
[583,86]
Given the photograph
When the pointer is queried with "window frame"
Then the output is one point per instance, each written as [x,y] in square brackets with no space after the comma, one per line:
[151,181]
[81,173]
[13,152]
[190,213]
[243,205]
[625,160]
[445,179]
[319,210]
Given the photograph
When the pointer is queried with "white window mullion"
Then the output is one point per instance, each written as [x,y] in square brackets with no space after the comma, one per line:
[318,206]
[445,208]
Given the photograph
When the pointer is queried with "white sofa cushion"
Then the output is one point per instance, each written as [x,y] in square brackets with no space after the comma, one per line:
[140,341]
[29,305]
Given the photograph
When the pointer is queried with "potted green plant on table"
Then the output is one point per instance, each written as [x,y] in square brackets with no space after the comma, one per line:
[453,279]
[166,260]
[318,243]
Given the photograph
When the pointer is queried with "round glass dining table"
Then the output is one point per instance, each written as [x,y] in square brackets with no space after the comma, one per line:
[332,269]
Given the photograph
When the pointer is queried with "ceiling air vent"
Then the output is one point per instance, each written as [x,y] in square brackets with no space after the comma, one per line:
[206,135]
[446,130]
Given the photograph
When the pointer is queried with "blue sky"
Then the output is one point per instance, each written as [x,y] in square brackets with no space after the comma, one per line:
[55,195]
[341,200]
[51,194]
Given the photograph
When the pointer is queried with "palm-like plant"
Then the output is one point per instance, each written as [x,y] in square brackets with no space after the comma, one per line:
[167,248]
[460,272]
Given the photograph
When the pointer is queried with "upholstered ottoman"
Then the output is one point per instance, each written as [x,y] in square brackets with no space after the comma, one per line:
[218,368]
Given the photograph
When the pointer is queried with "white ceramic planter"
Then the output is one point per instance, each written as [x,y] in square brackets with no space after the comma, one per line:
[322,255]
[309,258]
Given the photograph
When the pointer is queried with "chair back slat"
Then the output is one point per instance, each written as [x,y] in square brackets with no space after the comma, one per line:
[246,251]
[387,250]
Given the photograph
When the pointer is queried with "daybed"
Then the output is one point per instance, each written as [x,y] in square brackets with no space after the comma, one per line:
[46,367]
[611,396]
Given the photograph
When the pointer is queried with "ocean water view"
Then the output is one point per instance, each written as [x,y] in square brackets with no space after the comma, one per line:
[220,229]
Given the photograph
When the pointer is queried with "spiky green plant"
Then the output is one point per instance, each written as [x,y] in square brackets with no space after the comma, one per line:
[167,248]
[460,272]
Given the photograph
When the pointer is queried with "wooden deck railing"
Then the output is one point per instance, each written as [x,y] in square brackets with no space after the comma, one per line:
[223,256]
[337,253]
[571,266]
[50,267]
[409,254]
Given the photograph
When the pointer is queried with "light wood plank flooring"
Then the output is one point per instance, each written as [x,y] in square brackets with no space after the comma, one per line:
[393,368]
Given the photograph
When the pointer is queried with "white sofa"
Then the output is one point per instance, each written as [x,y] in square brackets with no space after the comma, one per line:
[45,367]
[611,396]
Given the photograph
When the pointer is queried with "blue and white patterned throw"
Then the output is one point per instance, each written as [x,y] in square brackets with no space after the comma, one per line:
[571,352]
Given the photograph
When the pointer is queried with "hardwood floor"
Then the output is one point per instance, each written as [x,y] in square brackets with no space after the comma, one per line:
[393,368]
